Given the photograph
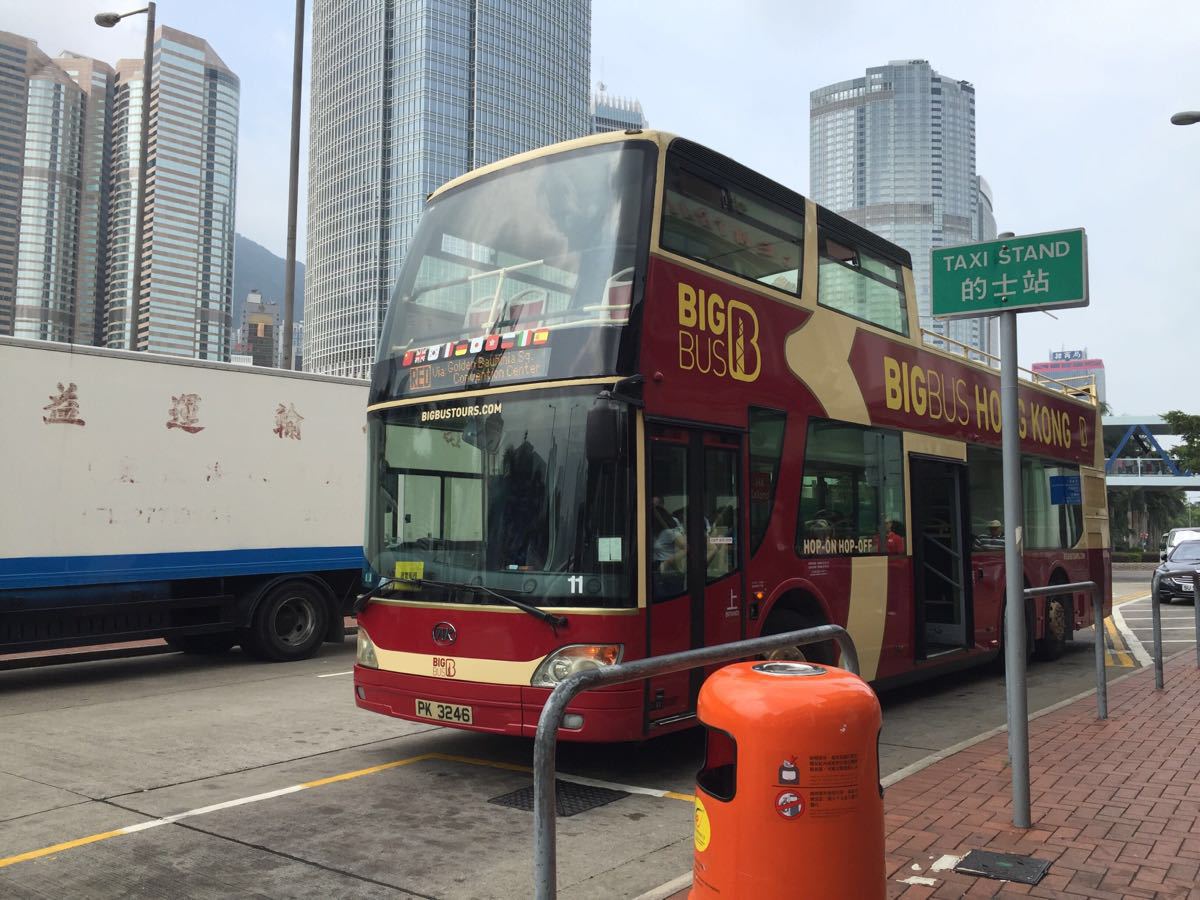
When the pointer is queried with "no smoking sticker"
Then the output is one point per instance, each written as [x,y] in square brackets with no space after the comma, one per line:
[789,804]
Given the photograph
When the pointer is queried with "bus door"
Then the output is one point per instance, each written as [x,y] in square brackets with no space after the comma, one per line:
[941,556]
[694,533]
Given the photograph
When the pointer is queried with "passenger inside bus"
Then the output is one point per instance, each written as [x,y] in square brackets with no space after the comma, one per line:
[894,539]
[670,552]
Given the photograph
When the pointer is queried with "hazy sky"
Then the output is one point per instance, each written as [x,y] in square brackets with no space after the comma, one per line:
[1072,107]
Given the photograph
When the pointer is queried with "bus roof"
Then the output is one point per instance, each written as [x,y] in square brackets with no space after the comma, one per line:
[699,153]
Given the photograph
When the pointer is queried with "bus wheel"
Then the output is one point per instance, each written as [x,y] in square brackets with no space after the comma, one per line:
[789,620]
[289,623]
[1054,644]
[203,644]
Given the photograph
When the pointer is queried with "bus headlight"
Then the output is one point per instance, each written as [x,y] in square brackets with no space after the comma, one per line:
[366,650]
[566,661]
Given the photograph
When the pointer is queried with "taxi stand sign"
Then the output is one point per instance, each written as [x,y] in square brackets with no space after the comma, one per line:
[1002,278]
[1030,272]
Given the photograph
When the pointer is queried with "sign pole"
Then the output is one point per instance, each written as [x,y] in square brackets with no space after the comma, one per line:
[1014,616]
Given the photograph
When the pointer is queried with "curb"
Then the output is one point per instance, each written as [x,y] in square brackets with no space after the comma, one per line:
[663,891]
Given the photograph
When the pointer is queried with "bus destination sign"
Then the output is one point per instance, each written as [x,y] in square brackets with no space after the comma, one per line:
[1030,272]
[458,372]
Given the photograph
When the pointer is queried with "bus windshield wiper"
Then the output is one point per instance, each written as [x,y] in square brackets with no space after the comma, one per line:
[555,622]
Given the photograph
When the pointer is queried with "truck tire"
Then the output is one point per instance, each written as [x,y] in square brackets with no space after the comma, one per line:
[203,644]
[289,622]
[1054,644]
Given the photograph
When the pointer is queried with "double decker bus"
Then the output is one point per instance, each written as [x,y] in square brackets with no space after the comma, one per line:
[632,398]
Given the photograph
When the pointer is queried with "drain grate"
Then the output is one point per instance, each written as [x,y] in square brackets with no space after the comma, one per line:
[1003,866]
[570,798]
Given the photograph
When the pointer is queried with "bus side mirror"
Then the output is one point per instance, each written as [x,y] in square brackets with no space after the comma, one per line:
[602,440]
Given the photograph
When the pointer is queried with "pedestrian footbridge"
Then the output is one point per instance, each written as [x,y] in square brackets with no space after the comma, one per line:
[1135,459]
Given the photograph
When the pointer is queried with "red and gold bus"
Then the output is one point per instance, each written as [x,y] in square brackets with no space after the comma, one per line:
[632,397]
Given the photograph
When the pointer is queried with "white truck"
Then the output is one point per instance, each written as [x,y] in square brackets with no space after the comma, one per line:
[149,496]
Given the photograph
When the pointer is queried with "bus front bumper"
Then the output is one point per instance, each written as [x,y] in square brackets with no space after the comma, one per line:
[612,714]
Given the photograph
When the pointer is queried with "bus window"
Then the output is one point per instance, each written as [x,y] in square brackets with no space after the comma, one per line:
[852,494]
[766,448]
[733,229]
[858,283]
[668,518]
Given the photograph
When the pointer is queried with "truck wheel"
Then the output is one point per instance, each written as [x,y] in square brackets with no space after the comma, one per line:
[289,623]
[1054,644]
[203,644]
[789,620]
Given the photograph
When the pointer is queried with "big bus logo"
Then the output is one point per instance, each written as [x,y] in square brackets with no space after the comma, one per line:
[717,336]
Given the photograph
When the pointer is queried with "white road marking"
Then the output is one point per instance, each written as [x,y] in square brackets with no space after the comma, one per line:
[240,801]
[335,674]
[1135,645]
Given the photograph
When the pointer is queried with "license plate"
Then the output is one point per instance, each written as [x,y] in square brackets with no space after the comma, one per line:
[444,712]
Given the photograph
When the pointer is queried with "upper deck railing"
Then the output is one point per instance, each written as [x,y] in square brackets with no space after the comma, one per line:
[1081,387]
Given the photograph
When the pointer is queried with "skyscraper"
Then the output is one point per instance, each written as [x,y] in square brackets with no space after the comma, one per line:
[96,80]
[42,112]
[406,96]
[186,283]
[894,151]
[611,113]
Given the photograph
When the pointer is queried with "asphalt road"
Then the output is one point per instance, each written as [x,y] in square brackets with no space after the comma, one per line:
[278,786]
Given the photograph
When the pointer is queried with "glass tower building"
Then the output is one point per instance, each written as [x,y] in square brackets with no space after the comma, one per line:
[44,124]
[894,151]
[96,80]
[406,95]
[186,282]
[611,113]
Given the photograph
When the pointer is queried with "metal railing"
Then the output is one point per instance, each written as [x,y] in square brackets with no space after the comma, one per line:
[1078,587]
[1156,619]
[545,850]
[1082,387]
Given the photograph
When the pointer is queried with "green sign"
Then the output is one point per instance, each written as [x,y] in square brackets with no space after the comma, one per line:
[1030,272]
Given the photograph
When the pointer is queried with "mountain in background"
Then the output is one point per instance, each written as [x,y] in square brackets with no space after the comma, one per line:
[257,268]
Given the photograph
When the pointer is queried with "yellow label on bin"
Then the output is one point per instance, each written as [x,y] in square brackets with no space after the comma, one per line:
[409,568]
[703,828]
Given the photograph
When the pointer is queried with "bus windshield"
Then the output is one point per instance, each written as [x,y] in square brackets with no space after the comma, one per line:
[512,261]
[500,493]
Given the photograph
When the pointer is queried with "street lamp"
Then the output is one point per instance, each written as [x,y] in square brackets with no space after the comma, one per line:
[1189,117]
[287,357]
[108,20]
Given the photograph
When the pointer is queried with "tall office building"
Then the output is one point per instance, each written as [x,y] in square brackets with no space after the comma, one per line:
[611,113]
[96,80]
[186,282]
[257,332]
[406,96]
[894,151]
[1074,368]
[42,122]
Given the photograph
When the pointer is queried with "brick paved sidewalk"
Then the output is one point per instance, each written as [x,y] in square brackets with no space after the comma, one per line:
[1115,804]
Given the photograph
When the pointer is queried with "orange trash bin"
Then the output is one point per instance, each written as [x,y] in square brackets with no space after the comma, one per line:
[788,803]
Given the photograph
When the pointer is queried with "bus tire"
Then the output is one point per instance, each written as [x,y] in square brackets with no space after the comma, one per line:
[289,622]
[213,644]
[1054,643]
[782,620]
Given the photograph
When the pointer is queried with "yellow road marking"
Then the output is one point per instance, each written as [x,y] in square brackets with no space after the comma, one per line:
[318,782]
[58,848]
[359,773]
[1117,658]
[1140,594]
